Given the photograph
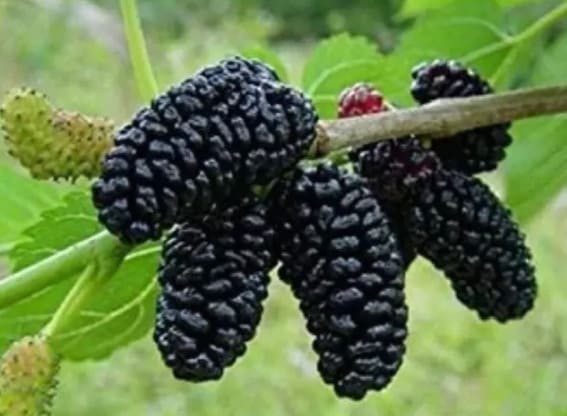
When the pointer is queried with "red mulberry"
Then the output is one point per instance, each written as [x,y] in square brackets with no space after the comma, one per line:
[360,99]
[214,277]
[211,137]
[463,229]
[472,151]
[343,263]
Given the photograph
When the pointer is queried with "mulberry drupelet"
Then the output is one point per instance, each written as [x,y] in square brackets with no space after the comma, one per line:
[472,151]
[464,230]
[343,263]
[214,277]
[203,141]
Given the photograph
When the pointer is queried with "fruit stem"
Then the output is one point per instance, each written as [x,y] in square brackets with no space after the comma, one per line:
[58,267]
[440,118]
[95,275]
[145,80]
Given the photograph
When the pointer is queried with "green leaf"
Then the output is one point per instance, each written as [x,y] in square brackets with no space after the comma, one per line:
[466,31]
[326,106]
[121,312]
[23,199]
[536,166]
[341,51]
[413,8]
[269,57]
[511,3]
[59,228]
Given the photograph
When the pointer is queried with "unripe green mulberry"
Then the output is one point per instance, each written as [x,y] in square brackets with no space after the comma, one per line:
[53,143]
[28,373]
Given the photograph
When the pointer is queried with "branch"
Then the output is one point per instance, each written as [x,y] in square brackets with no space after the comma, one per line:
[440,118]
[143,72]
[64,264]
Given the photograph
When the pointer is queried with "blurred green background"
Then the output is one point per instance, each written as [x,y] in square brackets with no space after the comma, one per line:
[74,52]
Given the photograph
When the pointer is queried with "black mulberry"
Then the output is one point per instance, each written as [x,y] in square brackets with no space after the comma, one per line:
[343,263]
[463,229]
[230,126]
[214,277]
[394,168]
[396,216]
[471,151]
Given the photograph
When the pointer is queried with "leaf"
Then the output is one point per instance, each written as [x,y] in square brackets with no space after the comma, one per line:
[466,31]
[121,312]
[412,8]
[511,3]
[269,57]
[326,106]
[338,51]
[536,166]
[23,199]
[59,228]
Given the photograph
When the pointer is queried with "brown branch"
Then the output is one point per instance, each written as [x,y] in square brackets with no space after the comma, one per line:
[440,118]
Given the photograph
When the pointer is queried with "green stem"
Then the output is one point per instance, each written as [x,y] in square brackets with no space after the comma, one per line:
[145,80]
[60,266]
[95,275]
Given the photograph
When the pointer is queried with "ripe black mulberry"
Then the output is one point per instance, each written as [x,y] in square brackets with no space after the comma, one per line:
[393,169]
[343,263]
[472,151]
[214,277]
[463,229]
[203,141]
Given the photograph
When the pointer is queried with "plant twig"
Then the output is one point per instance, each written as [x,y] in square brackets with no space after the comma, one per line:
[62,265]
[143,73]
[439,119]
[95,275]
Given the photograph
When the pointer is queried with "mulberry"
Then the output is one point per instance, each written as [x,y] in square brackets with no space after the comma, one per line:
[396,215]
[394,168]
[343,264]
[360,99]
[214,277]
[230,126]
[28,377]
[473,151]
[53,143]
[463,229]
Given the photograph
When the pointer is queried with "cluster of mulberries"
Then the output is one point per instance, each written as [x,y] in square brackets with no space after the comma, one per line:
[444,214]
[192,160]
